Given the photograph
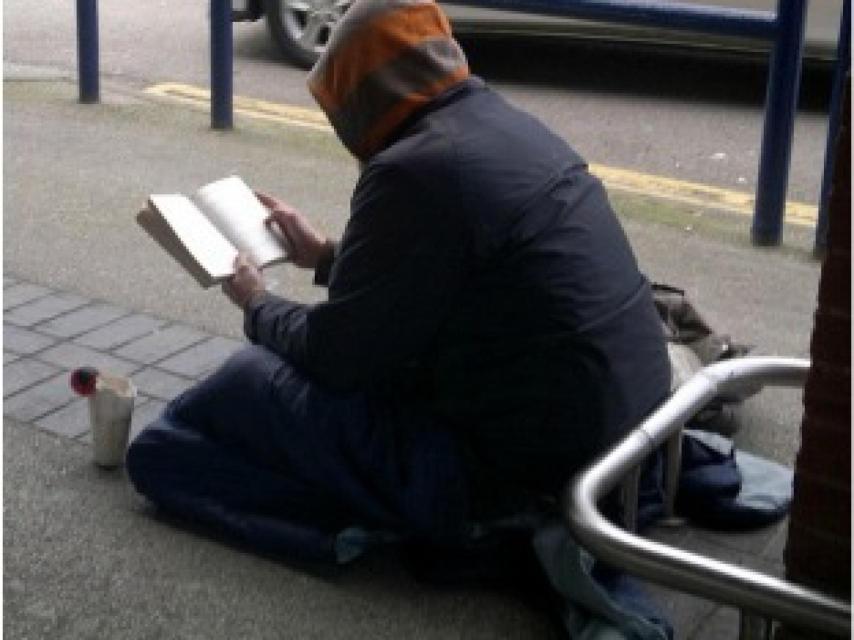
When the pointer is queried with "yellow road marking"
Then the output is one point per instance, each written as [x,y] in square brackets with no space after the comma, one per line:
[261,109]
[696,194]
[691,193]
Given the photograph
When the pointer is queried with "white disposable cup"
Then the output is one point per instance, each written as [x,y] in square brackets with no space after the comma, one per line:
[110,414]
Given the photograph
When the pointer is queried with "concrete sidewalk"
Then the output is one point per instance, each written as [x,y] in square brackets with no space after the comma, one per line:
[85,557]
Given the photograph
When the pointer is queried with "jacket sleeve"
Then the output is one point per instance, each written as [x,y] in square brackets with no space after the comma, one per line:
[400,265]
[324,266]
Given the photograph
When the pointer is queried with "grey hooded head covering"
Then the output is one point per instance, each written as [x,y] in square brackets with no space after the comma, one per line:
[384,60]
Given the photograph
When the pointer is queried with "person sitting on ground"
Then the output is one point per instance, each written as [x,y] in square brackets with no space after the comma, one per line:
[487,330]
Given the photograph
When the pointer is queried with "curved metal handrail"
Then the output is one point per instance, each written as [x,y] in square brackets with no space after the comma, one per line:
[713,579]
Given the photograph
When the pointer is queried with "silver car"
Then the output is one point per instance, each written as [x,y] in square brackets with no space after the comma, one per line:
[301,27]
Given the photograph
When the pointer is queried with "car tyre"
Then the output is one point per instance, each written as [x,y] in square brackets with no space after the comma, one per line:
[301,28]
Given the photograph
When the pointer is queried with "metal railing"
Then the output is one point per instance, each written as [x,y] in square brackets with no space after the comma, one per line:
[785,28]
[761,598]
[842,67]
[221,49]
[222,61]
[88,73]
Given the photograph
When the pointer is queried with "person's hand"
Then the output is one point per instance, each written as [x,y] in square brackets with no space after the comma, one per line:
[246,283]
[304,244]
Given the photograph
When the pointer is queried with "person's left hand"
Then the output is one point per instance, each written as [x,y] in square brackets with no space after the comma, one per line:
[246,283]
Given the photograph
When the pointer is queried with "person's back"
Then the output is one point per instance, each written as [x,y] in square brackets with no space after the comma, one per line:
[550,345]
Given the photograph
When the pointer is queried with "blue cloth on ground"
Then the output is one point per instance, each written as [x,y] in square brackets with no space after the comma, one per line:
[723,488]
[597,602]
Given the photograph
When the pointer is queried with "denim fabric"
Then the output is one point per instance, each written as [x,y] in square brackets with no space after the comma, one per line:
[260,453]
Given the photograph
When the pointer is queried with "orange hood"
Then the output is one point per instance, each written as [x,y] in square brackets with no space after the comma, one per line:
[384,60]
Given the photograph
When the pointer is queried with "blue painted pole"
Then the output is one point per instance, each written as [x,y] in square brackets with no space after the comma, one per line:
[843,65]
[87,50]
[780,107]
[221,65]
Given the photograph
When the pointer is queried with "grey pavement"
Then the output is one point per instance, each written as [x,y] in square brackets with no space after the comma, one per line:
[87,558]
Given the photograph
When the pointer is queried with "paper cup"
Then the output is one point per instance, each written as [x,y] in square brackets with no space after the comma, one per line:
[110,413]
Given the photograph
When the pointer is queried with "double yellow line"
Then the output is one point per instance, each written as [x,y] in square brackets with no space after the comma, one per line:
[258,109]
[682,191]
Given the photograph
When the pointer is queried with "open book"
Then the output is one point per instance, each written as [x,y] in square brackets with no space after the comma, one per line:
[205,231]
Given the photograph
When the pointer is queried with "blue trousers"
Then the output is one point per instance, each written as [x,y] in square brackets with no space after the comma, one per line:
[262,454]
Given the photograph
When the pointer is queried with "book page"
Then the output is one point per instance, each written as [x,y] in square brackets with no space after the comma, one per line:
[235,210]
[205,244]
[154,224]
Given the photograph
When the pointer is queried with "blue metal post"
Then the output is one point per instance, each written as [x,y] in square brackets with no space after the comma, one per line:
[87,50]
[780,107]
[221,65]
[843,65]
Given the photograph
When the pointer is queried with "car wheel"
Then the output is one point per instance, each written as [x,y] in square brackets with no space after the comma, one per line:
[301,28]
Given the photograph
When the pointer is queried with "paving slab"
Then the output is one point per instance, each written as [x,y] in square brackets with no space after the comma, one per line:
[82,320]
[23,341]
[39,399]
[153,382]
[23,293]
[120,331]
[70,356]
[26,315]
[201,358]
[70,421]
[23,373]
[160,344]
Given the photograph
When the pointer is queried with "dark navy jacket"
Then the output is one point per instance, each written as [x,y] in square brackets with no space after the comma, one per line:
[483,283]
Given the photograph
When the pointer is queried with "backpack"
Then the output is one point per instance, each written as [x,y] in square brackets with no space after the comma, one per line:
[691,345]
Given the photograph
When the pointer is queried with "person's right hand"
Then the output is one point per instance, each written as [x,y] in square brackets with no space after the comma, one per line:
[304,244]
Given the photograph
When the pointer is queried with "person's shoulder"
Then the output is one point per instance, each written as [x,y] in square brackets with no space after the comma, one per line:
[423,158]
[428,137]
[424,143]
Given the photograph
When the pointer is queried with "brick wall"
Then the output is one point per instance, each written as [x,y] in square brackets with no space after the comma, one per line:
[818,552]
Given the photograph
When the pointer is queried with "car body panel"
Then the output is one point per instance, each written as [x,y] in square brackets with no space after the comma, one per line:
[822,29]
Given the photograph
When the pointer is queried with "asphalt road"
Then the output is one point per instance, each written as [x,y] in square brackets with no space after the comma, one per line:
[630,108]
